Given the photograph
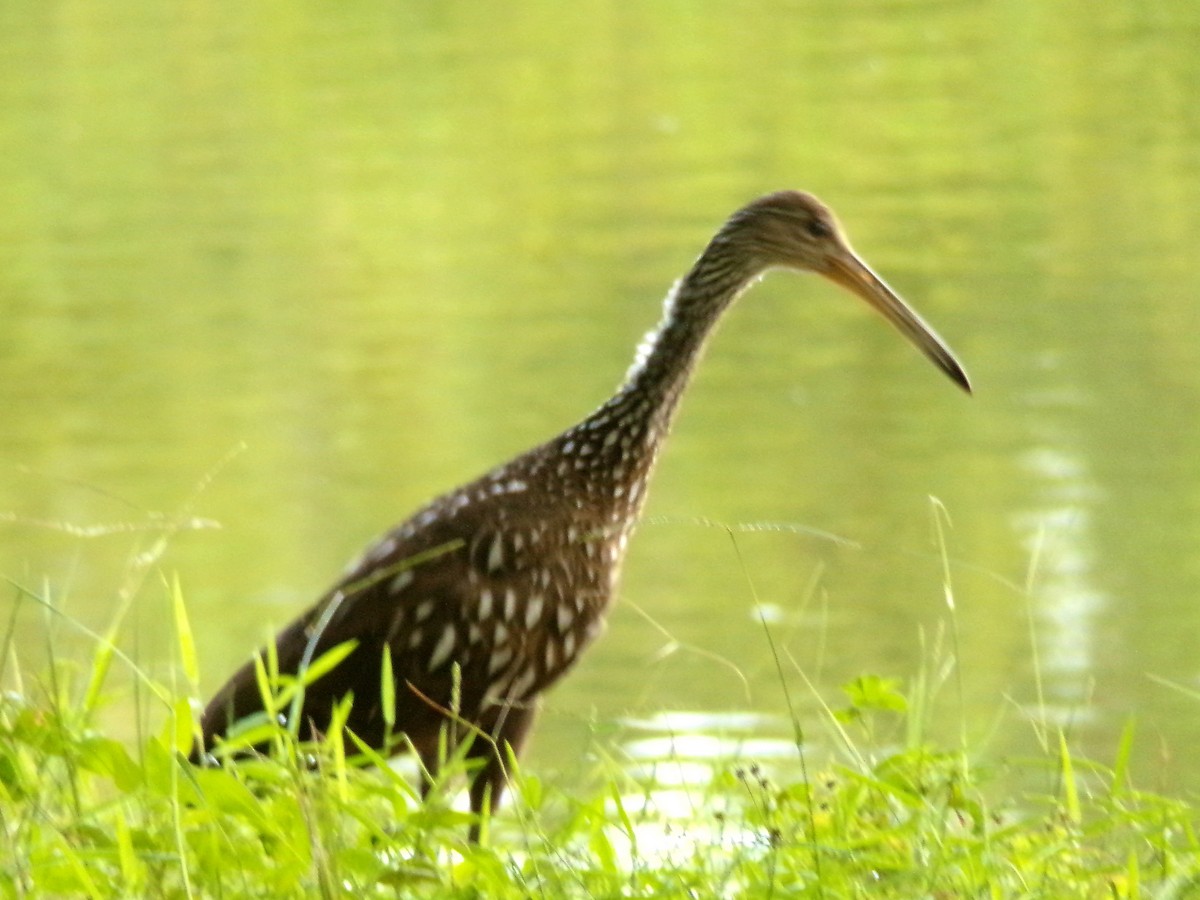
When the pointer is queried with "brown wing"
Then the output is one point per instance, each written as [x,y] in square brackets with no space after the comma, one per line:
[510,600]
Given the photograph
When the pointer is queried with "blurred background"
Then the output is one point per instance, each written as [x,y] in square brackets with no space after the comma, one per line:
[272,275]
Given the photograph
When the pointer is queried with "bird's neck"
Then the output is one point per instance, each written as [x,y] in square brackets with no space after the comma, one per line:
[623,437]
[668,355]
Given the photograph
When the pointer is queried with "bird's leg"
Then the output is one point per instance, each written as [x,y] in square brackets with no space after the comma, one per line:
[511,729]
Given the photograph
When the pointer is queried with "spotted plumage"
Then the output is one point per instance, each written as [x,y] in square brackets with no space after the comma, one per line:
[489,594]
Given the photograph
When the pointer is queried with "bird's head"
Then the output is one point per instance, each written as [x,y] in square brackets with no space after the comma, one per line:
[795,230]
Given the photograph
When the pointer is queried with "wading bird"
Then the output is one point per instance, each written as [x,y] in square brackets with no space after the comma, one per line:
[490,593]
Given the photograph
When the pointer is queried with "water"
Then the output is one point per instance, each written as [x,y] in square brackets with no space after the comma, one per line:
[292,272]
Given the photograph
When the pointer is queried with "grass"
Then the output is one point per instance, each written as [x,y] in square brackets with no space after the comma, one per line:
[85,815]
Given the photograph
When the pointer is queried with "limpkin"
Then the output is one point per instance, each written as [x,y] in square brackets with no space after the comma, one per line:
[490,593]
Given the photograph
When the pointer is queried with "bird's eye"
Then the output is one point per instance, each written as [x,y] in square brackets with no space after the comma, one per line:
[819,228]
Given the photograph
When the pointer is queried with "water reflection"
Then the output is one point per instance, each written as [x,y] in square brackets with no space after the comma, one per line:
[678,754]
[681,752]
[1062,547]
[677,747]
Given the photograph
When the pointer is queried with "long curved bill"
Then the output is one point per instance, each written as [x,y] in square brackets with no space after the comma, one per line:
[846,269]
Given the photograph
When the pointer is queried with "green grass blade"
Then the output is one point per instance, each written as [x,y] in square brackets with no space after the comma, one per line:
[1120,778]
[183,635]
[1070,786]
[387,690]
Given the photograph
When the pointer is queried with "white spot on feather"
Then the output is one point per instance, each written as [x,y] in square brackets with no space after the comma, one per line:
[501,657]
[445,645]
[496,554]
[533,610]
[384,548]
